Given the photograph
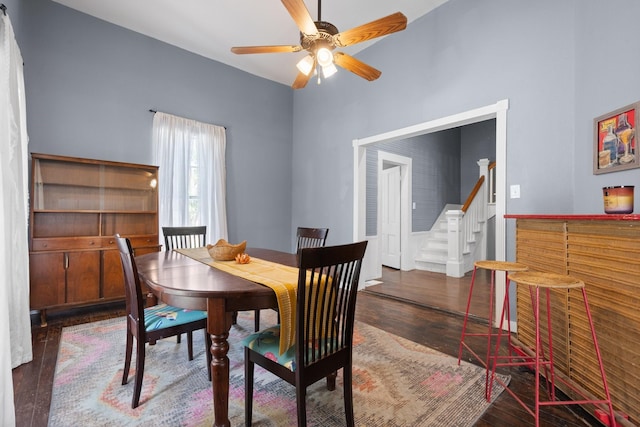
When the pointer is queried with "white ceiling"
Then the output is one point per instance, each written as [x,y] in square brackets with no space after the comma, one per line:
[211,27]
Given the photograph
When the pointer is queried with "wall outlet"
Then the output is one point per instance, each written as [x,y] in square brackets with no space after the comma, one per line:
[515,191]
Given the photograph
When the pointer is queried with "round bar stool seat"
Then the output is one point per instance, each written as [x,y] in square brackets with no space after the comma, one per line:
[537,281]
[546,280]
[500,265]
[491,266]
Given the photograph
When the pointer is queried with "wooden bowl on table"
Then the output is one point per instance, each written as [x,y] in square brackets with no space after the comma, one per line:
[225,251]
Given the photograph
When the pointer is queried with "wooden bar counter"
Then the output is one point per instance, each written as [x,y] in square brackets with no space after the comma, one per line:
[604,252]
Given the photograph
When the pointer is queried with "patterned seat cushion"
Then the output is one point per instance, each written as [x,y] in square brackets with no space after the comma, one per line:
[164,316]
[267,343]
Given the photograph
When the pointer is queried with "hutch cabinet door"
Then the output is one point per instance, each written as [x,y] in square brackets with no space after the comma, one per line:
[47,279]
[83,276]
[112,276]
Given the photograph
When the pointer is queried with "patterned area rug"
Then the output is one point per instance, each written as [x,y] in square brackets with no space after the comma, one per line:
[396,383]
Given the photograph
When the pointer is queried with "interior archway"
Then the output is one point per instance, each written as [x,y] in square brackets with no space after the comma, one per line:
[497,111]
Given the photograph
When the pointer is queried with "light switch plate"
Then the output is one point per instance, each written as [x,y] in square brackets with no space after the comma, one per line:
[515,191]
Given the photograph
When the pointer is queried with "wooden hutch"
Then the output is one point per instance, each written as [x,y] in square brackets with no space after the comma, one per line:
[76,207]
[604,252]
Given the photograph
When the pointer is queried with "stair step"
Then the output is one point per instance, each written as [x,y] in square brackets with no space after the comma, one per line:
[434,252]
[433,255]
[435,244]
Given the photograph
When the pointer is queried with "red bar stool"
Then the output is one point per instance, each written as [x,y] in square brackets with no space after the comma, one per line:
[547,281]
[492,266]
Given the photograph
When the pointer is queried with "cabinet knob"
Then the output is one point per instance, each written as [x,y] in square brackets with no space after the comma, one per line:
[111,242]
[91,243]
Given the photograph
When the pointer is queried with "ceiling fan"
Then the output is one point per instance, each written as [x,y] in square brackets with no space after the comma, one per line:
[320,38]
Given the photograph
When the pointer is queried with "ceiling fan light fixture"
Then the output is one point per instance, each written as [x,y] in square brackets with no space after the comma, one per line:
[305,65]
[329,70]
[321,38]
[325,57]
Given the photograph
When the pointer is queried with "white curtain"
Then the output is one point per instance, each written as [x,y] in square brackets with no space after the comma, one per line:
[174,138]
[15,322]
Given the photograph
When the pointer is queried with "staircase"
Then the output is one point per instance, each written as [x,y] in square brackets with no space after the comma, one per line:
[434,252]
[458,237]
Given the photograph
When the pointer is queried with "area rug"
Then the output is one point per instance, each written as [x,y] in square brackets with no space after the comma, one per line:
[396,382]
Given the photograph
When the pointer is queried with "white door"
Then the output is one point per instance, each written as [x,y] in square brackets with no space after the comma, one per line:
[391,217]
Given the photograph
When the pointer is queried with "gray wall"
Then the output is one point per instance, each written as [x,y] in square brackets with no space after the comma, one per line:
[548,57]
[599,90]
[477,141]
[90,85]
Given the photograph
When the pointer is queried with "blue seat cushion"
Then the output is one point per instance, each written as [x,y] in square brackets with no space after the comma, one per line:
[267,343]
[165,316]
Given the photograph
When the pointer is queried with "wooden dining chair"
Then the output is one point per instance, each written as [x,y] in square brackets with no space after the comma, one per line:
[311,237]
[306,238]
[325,312]
[147,325]
[184,237]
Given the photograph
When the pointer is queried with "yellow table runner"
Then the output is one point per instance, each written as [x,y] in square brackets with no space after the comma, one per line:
[281,278]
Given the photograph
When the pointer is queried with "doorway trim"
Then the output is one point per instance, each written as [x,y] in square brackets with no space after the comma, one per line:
[496,111]
[405,164]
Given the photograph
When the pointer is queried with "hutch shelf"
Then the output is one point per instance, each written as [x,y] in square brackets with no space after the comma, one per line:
[76,207]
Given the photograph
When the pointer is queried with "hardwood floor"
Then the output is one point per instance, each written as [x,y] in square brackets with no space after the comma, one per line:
[423,307]
[428,308]
[435,290]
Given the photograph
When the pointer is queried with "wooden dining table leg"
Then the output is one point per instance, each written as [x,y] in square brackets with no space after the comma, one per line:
[218,325]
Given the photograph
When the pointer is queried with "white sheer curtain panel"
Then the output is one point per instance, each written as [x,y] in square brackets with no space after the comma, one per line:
[15,322]
[174,141]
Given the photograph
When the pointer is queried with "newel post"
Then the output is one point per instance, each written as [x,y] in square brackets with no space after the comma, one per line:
[484,171]
[487,190]
[455,264]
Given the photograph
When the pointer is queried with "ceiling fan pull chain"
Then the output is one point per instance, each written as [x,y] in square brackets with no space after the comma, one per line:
[319,10]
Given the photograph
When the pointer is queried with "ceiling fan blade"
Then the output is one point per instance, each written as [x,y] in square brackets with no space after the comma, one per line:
[301,80]
[356,66]
[300,14]
[378,28]
[266,49]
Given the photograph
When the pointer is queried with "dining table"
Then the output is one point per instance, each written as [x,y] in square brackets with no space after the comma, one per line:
[185,282]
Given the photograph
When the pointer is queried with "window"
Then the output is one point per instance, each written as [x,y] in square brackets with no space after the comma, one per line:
[192,177]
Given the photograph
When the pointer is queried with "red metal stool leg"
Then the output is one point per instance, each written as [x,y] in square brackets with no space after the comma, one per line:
[612,418]
[489,358]
[496,357]
[466,314]
[487,393]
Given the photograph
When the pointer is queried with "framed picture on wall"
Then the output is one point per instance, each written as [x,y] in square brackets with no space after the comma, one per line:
[615,143]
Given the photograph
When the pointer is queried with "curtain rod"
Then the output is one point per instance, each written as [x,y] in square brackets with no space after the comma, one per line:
[155,111]
[4,9]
